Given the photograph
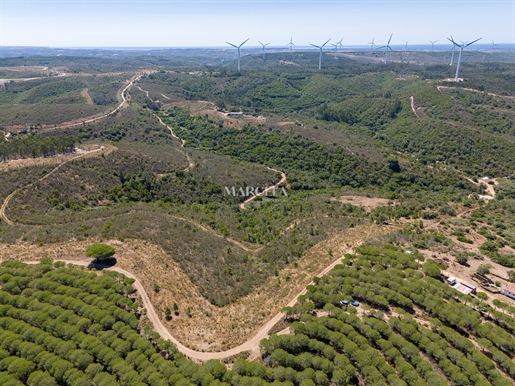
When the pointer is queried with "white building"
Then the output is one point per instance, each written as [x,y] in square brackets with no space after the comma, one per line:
[509,290]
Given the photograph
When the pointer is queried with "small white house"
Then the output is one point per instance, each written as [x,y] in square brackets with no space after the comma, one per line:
[451,280]
[509,290]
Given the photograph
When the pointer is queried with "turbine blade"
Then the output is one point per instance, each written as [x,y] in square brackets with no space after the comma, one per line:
[389,39]
[244,42]
[235,46]
[326,42]
[314,45]
[381,47]
[468,44]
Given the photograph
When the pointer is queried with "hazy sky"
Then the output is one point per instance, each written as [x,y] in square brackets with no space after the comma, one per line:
[170,23]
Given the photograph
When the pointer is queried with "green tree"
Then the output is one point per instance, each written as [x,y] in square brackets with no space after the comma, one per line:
[168,312]
[483,269]
[431,268]
[511,276]
[462,258]
[100,252]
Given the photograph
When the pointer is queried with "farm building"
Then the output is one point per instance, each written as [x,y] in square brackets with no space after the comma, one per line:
[465,288]
[462,288]
[509,290]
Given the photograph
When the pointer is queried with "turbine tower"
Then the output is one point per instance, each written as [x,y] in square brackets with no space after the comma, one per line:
[462,46]
[372,44]
[264,45]
[406,47]
[387,47]
[452,50]
[291,44]
[320,48]
[238,47]
[432,44]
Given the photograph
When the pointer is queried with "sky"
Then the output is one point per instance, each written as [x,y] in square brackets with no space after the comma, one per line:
[170,23]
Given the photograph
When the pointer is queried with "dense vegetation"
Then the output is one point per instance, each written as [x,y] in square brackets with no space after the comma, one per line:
[35,146]
[67,326]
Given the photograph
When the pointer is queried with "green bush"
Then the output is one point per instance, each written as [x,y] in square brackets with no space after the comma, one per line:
[100,251]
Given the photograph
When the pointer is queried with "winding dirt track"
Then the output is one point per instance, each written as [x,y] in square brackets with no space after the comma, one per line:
[8,198]
[134,79]
[250,345]
[265,191]
[213,232]
[191,164]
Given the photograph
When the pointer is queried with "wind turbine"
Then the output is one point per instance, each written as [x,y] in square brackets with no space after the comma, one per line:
[238,47]
[264,45]
[432,44]
[492,47]
[462,46]
[320,48]
[454,45]
[406,47]
[387,47]
[372,44]
[291,44]
[337,44]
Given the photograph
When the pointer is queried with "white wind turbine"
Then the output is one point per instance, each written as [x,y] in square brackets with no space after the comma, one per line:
[432,44]
[492,47]
[291,44]
[320,48]
[264,45]
[387,47]
[462,46]
[372,44]
[238,47]
[337,44]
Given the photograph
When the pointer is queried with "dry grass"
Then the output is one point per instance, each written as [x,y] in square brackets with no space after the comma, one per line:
[366,202]
[209,328]
[58,159]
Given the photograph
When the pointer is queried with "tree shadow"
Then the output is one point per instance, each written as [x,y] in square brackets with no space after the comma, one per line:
[102,264]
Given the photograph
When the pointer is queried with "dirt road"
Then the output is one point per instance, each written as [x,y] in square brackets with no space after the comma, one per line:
[8,198]
[265,191]
[251,345]
[191,164]
[412,100]
[4,81]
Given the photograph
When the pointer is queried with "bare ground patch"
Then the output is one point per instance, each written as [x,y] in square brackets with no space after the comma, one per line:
[364,201]
[87,97]
[210,109]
